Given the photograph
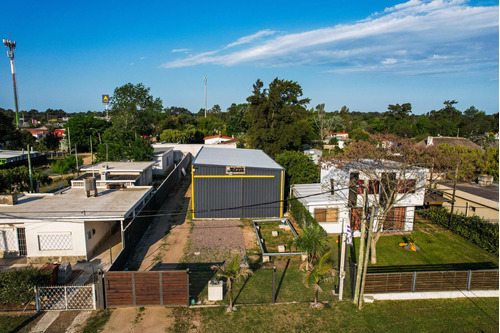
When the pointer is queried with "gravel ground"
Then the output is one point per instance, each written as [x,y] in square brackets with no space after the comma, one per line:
[215,240]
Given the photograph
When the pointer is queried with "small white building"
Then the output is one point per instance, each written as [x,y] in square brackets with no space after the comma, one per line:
[314,154]
[66,226]
[334,205]
[218,139]
[118,173]
[163,158]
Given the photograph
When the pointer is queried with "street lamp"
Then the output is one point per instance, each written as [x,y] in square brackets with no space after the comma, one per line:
[12,46]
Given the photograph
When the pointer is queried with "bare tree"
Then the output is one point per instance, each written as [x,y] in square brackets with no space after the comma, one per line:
[322,121]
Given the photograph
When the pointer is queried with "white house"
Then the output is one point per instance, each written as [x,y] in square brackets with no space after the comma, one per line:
[67,226]
[335,206]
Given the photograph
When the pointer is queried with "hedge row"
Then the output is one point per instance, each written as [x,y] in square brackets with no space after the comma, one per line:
[300,213]
[473,228]
[17,286]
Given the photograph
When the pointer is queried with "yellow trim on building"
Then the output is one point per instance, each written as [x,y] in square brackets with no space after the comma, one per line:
[192,190]
[281,195]
[236,176]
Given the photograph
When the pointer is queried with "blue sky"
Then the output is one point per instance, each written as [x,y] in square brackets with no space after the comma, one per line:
[363,54]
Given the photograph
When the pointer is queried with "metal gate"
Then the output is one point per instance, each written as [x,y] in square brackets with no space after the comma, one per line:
[152,288]
[65,298]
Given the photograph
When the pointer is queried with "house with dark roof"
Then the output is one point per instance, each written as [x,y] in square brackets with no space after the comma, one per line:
[434,141]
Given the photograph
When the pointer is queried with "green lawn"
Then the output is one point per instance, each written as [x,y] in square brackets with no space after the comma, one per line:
[446,315]
[438,246]
[10,323]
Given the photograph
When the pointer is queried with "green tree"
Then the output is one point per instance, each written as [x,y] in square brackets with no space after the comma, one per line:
[278,118]
[66,165]
[81,128]
[18,179]
[313,241]
[50,142]
[321,272]
[300,169]
[358,134]
[232,272]
[123,146]
[134,109]
[237,123]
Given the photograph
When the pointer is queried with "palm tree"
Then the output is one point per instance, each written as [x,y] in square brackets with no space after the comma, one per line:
[313,241]
[319,273]
[232,272]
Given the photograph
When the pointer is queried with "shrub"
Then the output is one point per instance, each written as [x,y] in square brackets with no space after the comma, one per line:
[473,228]
[17,286]
[300,213]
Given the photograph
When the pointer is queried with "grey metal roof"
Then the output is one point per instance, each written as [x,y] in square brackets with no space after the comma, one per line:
[253,158]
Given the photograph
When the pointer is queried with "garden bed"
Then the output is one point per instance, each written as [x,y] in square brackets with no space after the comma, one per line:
[274,237]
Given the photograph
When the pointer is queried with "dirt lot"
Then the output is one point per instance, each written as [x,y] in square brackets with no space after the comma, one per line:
[166,238]
[215,241]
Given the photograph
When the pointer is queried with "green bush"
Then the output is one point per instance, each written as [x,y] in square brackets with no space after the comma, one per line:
[300,213]
[17,286]
[473,228]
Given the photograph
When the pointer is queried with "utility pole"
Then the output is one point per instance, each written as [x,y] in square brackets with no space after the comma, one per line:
[29,166]
[69,142]
[367,255]
[362,240]
[205,97]
[91,157]
[342,262]
[12,46]
[76,157]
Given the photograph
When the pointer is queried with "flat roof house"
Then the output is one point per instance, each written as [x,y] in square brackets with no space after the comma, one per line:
[69,225]
[236,183]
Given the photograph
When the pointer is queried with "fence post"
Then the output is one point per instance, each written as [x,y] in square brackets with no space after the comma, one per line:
[132,276]
[187,276]
[160,281]
[93,297]
[469,278]
[414,282]
[66,297]
[37,299]
[274,284]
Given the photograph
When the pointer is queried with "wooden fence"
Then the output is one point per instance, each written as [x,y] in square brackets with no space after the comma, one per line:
[152,288]
[431,281]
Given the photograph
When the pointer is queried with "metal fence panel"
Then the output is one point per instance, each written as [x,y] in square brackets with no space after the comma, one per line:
[65,298]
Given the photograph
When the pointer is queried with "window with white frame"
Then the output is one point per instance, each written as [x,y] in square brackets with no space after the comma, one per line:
[8,240]
[55,241]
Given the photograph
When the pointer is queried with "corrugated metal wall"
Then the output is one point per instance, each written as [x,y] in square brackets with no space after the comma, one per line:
[236,196]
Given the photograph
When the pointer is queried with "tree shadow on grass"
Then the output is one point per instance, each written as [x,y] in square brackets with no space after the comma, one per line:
[281,280]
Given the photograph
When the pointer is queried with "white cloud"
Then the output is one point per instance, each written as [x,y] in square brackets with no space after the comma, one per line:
[251,38]
[389,61]
[438,36]
[180,50]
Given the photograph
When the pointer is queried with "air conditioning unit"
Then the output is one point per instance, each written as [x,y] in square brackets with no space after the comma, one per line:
[215,290]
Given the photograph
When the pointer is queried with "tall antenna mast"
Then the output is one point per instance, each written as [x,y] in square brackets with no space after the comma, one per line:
[12,46]
[205,97]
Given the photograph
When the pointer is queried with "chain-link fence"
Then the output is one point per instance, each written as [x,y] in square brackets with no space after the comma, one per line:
[65,298]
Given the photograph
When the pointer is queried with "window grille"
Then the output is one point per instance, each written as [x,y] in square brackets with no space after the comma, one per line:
[59,241]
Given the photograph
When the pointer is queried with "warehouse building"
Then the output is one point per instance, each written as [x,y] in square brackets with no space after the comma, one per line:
[236,183]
